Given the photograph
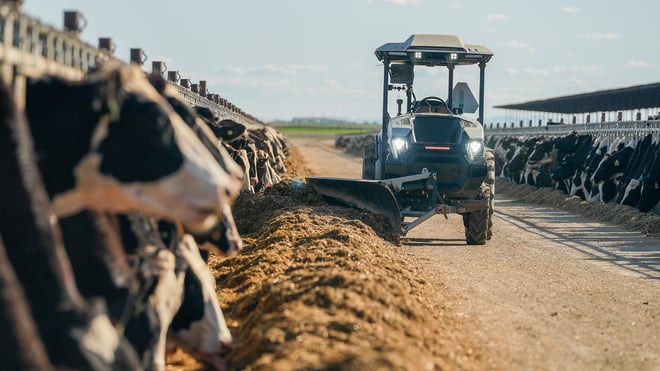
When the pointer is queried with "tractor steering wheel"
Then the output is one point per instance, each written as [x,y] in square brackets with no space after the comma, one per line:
[432,102]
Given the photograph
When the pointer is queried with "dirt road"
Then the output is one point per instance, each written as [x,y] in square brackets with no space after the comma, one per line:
[550,291]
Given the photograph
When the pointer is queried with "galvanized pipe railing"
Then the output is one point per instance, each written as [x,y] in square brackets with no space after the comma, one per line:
[615,128]
[31,48]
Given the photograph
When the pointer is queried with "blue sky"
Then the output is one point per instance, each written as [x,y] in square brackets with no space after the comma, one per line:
[292,58]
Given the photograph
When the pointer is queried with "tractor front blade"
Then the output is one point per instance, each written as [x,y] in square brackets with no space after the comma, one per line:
[363,194]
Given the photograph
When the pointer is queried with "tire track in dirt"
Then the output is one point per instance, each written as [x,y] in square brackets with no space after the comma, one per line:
[550,291]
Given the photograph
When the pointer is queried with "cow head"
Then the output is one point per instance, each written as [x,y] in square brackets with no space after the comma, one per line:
[113,143]
[223,237]
[199,326]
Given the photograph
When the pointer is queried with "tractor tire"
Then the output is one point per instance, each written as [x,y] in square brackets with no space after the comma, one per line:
[476,227]
[479,224]
[369,162]
[489,190]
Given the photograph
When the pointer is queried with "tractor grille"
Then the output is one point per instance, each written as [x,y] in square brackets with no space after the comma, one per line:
[434,129]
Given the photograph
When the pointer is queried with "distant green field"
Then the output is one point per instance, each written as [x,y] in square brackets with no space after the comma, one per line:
[323,130]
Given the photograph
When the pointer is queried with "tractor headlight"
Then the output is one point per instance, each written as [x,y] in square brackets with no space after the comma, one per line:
[475,148]
[399,145]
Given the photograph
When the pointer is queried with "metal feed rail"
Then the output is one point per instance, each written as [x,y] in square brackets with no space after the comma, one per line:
[637,128]
[29,47]
[219,110]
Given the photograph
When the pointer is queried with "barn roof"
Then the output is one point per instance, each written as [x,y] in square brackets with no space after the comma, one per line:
[634,97]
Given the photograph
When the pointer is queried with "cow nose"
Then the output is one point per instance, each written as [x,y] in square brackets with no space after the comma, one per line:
[225,348]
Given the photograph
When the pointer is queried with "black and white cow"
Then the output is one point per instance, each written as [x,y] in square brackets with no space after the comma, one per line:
[21,347]
[628,186]
[199,325]
[649,194]
[223,238]
[76,334]
[599,167]
[113,143]
[131,151]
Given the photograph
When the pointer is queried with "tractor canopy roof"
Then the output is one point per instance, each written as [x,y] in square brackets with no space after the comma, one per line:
[433,50]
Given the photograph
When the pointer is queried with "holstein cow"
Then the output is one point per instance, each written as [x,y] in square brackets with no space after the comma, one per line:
[76,334]
[650,189]
[233,137]
[199,325]
[628,189]
[571,162]
[21,347]
[151,313]
[243,149]
[601,168]
[131,150]
[610,168]
[223,238]
[124,149]
[193,320]
[99,254]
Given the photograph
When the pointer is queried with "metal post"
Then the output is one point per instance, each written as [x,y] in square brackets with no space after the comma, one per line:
[173,76]
[408,97]
[158,68]
[72,21]
[386,119]
[138,56]
[450,86]
[107,44]
[482,81]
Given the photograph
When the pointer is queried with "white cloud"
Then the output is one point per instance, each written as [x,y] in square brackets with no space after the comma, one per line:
[231,69]
[278,70]
[512,71]
[639,64]
[401,2]
[330,83]
[582,84]
[498,17]
[588,69]
[601,36]
[569,10]
[269,69]
[520,45]
[536,71]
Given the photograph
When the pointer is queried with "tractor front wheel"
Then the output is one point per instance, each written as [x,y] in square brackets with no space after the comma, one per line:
[369,162]
[476,227]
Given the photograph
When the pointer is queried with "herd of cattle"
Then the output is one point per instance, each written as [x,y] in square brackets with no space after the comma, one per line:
[113,192]
[624,169]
